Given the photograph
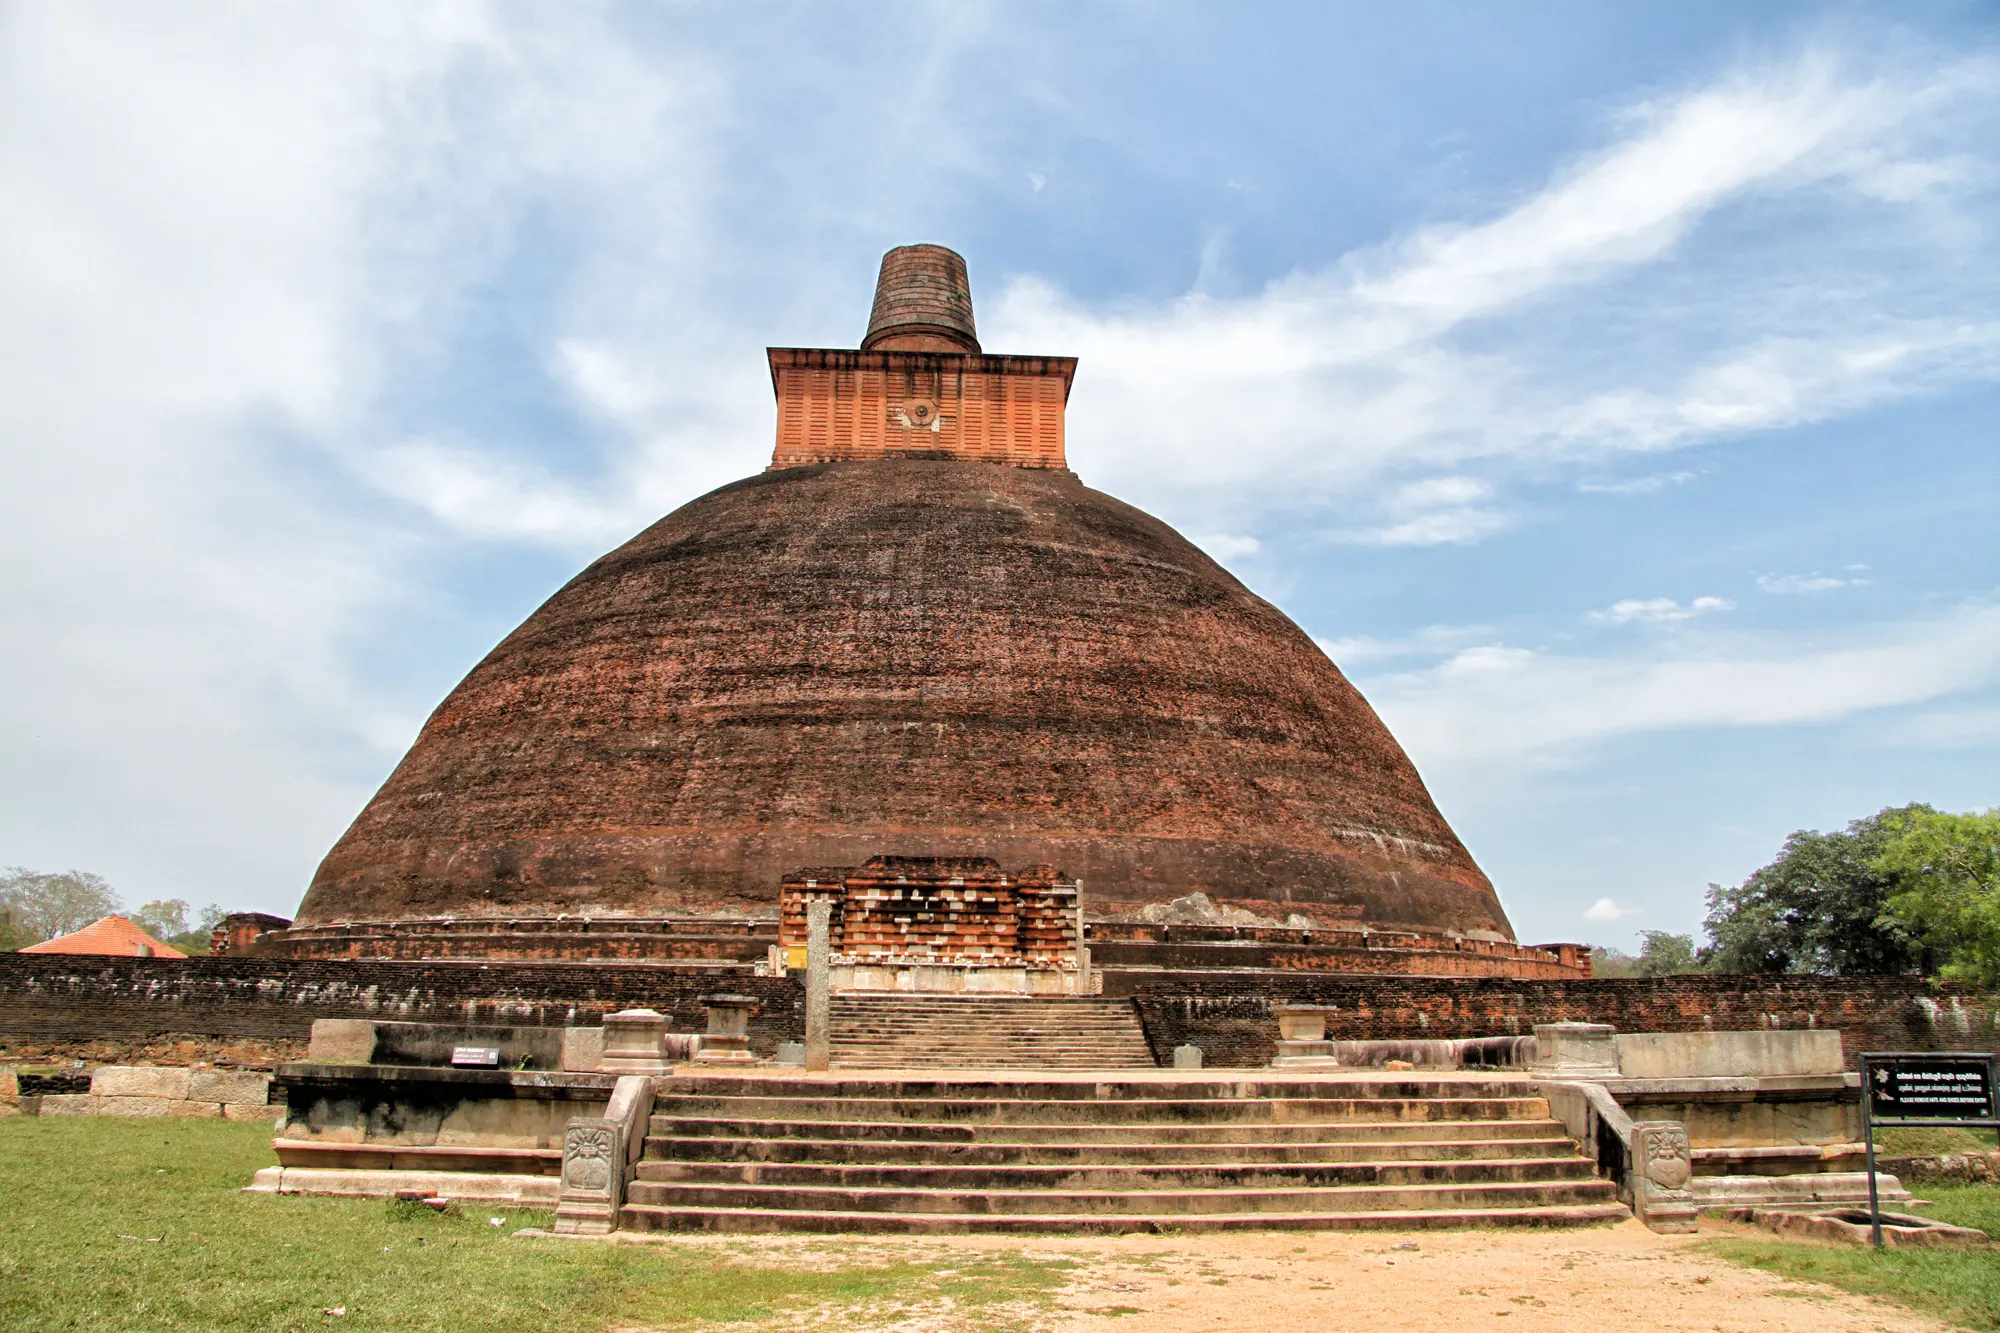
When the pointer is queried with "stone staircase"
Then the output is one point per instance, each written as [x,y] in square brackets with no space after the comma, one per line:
[986,1032]
[1037,1155]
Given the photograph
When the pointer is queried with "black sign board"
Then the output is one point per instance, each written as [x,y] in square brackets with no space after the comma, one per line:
[476,1057]
[1931,1087]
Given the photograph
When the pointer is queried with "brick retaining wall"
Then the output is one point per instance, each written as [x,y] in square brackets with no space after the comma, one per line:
[1229,1016]
[49,997]
[54,997]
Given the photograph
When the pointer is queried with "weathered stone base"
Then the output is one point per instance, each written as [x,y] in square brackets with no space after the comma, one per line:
[461,1186]
[1819,1189]
[1853,1226]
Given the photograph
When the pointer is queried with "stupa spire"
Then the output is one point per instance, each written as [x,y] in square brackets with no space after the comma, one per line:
[923,303]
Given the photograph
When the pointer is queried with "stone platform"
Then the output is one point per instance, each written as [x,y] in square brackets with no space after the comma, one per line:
[942,1152]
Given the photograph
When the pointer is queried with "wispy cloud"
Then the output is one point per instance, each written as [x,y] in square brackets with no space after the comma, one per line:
[1795,584]
[1646,485]
[1430,641]
[1461,341]
[1607,909]
[1494,700]
[1658,610]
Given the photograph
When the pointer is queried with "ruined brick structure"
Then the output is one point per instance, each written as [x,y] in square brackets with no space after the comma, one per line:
[917,634]
[936,909]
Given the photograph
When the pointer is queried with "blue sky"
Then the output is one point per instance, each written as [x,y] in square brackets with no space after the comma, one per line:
[1612,389]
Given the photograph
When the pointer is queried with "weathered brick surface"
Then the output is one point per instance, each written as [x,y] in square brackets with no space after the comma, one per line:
[913,658]
[72,997]
[1229,1017]
[936,908]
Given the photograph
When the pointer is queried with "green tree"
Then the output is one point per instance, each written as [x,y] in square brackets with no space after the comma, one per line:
[41,906]
[167,920]
[1819,907]
[1947,871]
[163,919]
[1606,961]
[1662,954]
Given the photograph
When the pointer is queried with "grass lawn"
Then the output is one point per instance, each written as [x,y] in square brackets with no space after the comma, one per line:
[1962,1286]
[130,1224]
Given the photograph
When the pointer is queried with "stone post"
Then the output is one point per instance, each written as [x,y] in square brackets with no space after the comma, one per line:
[1575,1051]
[819,983]
[1302,1042]
[1082,949]
[635,1042]
[728,1035]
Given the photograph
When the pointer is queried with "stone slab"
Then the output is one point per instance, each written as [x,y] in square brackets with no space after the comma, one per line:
[468,1186]
[228,1085]
[138,1108]
[583,1050]
[250,1113]
[1729,1054]
[190,1110]
[342,1041]
[163,1083]
[67,1103]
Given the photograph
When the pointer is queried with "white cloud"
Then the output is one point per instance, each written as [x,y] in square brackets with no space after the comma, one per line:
[1493,700]
[1658,610]
[1794,584]
[1472,341]
[1607,909]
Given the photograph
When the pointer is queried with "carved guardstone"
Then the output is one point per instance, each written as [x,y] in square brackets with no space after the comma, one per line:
[1662,1166]
[593,1178]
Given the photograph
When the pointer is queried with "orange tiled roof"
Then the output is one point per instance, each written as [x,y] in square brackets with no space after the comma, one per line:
[112,935]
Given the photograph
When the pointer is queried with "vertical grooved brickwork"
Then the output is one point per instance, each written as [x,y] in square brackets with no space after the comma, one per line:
[837,406]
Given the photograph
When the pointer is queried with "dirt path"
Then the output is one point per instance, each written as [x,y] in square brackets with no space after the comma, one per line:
[1608,1278]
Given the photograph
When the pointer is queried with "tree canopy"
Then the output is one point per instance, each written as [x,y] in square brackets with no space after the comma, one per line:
[1946,873]
[40,905]
[37,906]
[1820,906]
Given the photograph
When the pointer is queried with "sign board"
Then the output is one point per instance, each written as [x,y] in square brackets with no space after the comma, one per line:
[1931,1087]
[475,1057]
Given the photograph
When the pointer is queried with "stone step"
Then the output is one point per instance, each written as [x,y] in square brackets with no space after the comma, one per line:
[997,1032]
[1177,1201]
[716,1148]
[1251,1084]
[771,1220]
[1013,1059]
[1072,1181]
[668,1127]
[1274,1110]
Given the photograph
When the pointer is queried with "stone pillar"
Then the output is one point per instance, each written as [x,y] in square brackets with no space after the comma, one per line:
[1082,949]
[635,1042]
[1662,1166]
[1575,1050]
[819,983]
[1302,1042]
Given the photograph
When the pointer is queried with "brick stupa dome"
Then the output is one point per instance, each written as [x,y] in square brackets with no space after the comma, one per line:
[917,634]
